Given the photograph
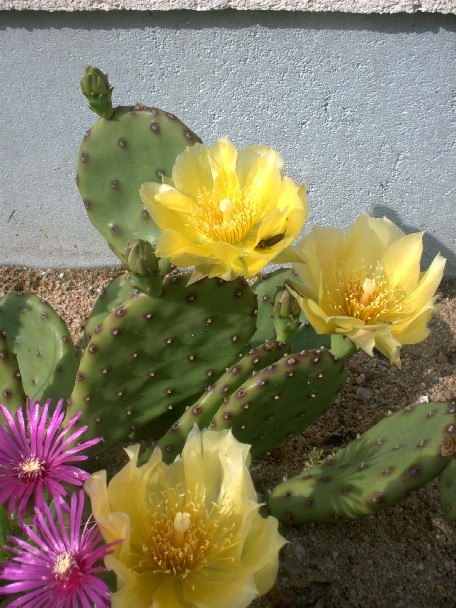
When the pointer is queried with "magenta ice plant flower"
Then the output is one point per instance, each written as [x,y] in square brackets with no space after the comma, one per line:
[56,566]
[37,455]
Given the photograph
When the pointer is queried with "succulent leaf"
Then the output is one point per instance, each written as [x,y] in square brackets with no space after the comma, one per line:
[203,410]
[42,344]
[282,399]
[399,454]
[151,357]
[11,391]
[137,144]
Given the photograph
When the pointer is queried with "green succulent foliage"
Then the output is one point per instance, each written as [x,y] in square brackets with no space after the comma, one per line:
[5,530]
[203,410]
[266,290]
[399,454]
[135,144]
[11,391]
[305,337]
[112,296]
[282,399]
[40,340]
[151,357]
[447,481]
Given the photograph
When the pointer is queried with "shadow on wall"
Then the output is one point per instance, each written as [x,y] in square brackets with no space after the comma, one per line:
[432,245]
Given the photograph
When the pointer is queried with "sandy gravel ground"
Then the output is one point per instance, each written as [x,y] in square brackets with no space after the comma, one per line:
[404,557]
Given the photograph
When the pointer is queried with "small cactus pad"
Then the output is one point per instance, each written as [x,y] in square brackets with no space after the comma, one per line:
[42,344]
[11,392]
[137,145]
[282,399]
[112,296]
[202,412]
[399,454]
[154,356]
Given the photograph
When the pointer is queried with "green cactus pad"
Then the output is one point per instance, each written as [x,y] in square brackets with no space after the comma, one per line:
[202,412]
[112,296]
[136,145]
[154,356]
[447,482]
[399,454]
[42,344]
[11,391]
[282,399]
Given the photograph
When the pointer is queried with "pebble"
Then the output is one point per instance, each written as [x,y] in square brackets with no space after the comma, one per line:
[442,358]
[363,394]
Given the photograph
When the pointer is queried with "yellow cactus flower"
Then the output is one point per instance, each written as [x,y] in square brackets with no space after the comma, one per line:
[227,213]
[193,536]
[367,285]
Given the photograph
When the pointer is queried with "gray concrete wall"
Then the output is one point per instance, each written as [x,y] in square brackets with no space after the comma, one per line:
[360,106]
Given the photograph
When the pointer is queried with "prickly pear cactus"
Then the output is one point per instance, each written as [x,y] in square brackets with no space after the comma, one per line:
[202,412]
[447,479]
[11,391]
[131,145]
[282,399]
[112,296]
[42,344]
[154,356]
[399,454]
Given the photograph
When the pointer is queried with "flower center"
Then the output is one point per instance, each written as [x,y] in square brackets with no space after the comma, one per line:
[66,570]
[227,215]
[178,542]
[367,296]
[30,469]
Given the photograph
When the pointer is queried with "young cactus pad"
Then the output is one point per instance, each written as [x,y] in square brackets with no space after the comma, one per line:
[399,454]
[11,391]
[42,344]
[282,399]
[154,356]
[136,144]
[202,412]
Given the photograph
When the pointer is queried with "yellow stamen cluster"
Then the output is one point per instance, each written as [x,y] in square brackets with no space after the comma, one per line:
[365,295]
[30,468]
[64,563]
[226,215]
[179,542]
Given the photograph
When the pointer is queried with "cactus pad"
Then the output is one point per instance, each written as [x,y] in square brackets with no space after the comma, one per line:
[112,296]
[42,344]
[137,144]
[11,392]
[154,356]
[282,399]
[399,454]
[202,412]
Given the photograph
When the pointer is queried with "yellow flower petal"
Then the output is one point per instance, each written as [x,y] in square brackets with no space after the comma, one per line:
[233,211]
[192,171]
[193,533]
[367,285]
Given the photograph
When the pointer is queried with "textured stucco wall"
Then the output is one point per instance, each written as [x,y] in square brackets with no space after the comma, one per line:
[350,6]
[360,107]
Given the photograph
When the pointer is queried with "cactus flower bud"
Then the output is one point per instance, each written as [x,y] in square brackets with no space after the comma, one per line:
[285,316]
[95,86]
[141,258]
